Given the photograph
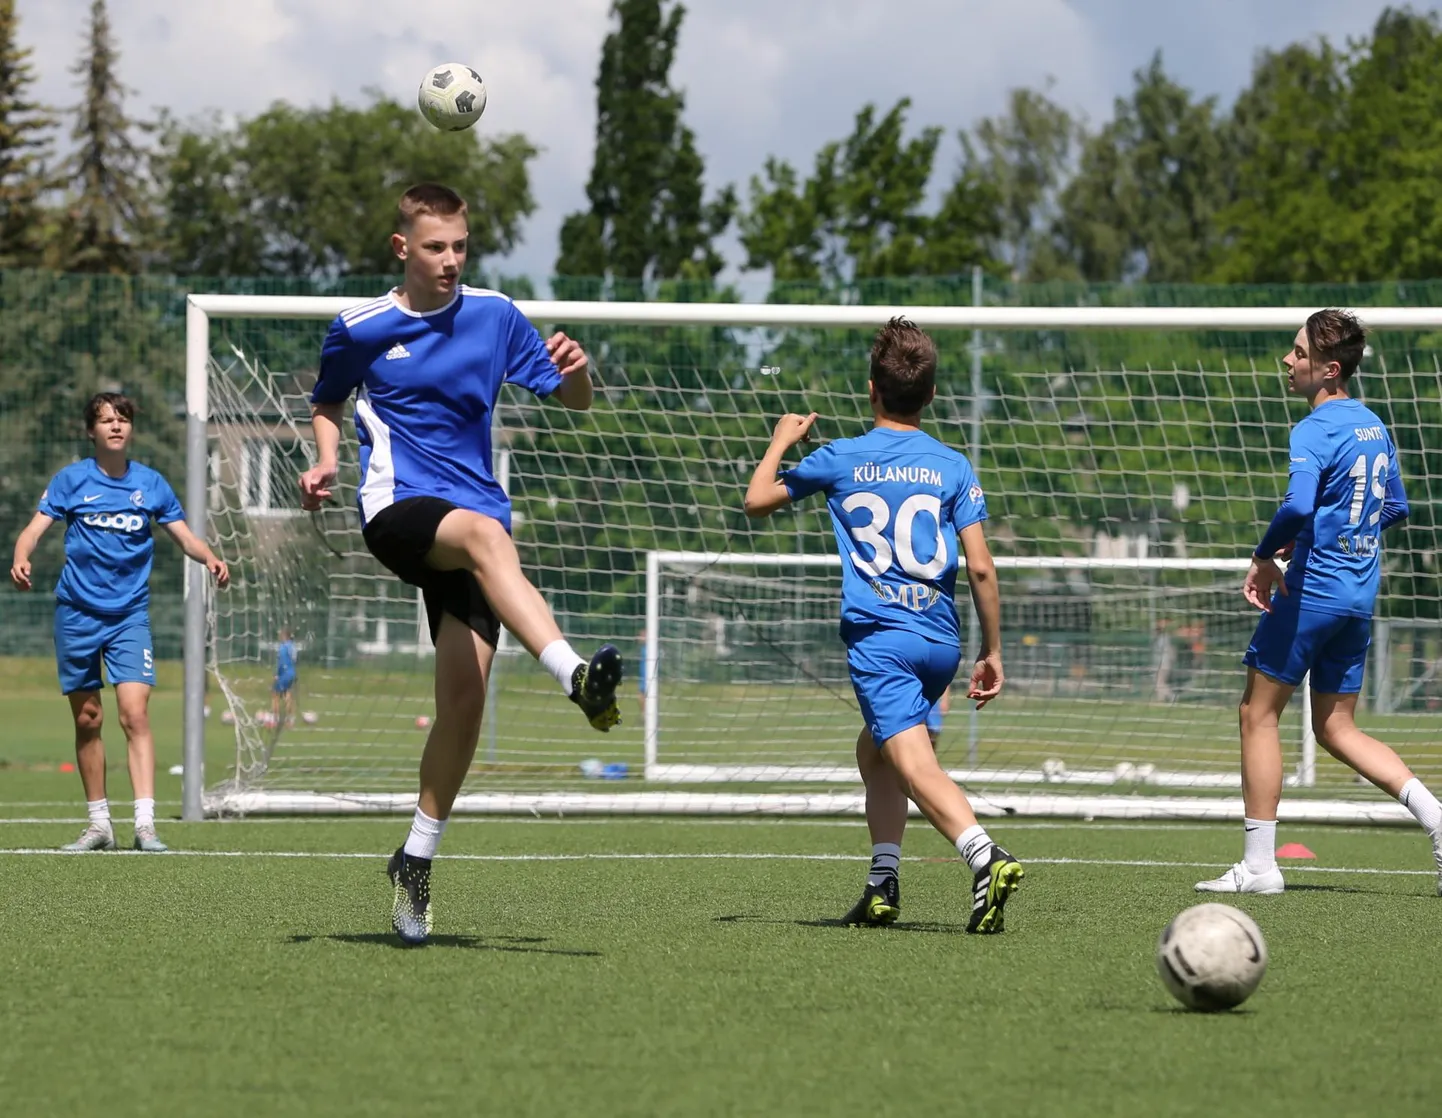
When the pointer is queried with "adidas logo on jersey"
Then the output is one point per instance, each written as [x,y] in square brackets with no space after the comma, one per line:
[396,351]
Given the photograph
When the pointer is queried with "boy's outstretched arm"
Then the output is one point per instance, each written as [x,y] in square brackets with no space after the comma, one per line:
[766,493]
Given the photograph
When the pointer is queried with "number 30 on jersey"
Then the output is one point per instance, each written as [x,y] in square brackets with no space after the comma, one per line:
[870,534]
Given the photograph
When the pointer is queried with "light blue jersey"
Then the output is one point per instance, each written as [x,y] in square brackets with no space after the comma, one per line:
[108,542]
[1352,461]
[426,387]
[897,499]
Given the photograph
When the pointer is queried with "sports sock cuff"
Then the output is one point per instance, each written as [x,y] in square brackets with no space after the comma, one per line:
[561,660]
[885,862]
[1259,844]
[145,812]
[425,836]
[99,811]
[974,844]
[1419,800]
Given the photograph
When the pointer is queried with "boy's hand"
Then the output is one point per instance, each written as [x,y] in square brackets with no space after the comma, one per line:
[986,680]
[792,429]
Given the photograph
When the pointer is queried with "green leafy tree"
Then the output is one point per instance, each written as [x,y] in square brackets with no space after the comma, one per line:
[312,192]
[1145,200]
[648,218]
[1019,162]
[25,128]
[107,217]
[859,215]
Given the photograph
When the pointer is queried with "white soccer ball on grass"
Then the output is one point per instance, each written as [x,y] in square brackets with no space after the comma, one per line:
[1211,957]
[452,97]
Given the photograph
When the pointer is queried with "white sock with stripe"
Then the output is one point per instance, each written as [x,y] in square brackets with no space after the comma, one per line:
[885,862]
[974,844]
[1423,805]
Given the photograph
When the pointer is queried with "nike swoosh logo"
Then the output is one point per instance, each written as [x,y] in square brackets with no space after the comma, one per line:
[87,500]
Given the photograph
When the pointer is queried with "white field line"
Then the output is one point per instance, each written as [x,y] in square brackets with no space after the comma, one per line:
[717,857]
[720,821]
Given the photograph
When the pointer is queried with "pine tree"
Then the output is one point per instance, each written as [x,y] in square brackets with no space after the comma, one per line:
[647,218]
[107,216]
[24,146]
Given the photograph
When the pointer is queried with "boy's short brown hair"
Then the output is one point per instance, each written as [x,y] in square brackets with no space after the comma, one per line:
[428,198]
[1336,335]
[903,367]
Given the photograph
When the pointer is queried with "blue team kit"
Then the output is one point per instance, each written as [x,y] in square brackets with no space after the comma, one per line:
[898,500]
[423,407]
[1344,489]
[103,594]
[284,667]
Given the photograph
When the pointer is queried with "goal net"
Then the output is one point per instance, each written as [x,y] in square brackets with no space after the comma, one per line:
[1130,457]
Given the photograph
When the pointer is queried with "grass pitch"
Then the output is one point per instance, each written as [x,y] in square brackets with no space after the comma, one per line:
[637,967]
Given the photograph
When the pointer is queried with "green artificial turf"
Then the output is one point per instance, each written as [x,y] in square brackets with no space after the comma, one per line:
[631,967]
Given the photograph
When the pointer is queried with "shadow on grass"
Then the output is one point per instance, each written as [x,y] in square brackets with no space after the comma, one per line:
[900,926]
[1304,888]
[526,945]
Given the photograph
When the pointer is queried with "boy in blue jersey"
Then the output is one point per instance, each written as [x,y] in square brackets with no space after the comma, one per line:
[426,362]
[898,501]
[102,604]
[1344,489]
[282,689]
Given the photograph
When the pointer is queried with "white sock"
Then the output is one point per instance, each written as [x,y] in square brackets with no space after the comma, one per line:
[99,812]
[1259,844]
[145,812]
[974,844]
[885,862]
[1420,802]
[560,659]
[425,836]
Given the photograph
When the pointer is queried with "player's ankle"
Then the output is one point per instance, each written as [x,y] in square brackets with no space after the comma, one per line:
[561,660]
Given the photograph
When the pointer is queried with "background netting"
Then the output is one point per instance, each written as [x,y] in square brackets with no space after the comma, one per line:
[1092,446]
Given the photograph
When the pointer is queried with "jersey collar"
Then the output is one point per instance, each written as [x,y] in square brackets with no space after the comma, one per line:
[396,303]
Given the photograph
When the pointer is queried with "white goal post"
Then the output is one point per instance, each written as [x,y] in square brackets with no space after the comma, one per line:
[717,626]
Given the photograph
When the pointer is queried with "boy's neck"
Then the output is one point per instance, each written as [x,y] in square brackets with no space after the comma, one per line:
[898,422]
[112,463]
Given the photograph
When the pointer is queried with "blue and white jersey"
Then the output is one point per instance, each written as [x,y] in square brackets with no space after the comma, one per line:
[897,499]
[108,544]
[1337,564]
[426,386]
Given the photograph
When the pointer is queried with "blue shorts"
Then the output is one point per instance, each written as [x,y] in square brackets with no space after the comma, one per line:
[1291,641]
[83,639]
[282,684]
[934,718]
[898,678]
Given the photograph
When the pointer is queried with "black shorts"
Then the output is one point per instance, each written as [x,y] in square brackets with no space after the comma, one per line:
[401,536]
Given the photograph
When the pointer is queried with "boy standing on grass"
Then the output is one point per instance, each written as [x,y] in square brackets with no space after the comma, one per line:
[1344,490]
[898,501]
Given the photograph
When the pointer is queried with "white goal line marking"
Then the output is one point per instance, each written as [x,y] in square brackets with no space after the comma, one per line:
[685,857]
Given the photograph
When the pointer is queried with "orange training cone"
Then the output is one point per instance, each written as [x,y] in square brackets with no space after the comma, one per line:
[1294,850]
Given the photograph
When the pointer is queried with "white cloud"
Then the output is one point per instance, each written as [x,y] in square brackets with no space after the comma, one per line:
[762,76]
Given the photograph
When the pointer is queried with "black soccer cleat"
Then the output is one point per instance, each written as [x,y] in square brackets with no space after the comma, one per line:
[593,688]
[997,881]
[879,906]
[411,912]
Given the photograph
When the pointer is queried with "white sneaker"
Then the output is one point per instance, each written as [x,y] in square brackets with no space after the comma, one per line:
[1239,879]
[94,837]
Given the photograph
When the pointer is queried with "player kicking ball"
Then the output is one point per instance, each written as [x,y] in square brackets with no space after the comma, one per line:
[1344,489]
[898,501]
[102,604]
[426,362]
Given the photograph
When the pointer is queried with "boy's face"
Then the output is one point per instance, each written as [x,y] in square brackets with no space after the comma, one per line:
[112,430]
[434,252]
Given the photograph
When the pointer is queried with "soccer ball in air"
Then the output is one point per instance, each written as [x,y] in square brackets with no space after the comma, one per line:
[1212,956]
[452,97]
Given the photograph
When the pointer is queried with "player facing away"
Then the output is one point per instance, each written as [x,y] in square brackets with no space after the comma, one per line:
[1344,489]
[102,604]
[282,689]
[898,501]
[426,362]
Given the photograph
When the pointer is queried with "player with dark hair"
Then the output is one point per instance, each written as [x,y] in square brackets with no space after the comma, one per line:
[898,501]
[1344,489]
[426,362]
[102,604]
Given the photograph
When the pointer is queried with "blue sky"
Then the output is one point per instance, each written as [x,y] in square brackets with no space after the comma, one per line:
[762,76]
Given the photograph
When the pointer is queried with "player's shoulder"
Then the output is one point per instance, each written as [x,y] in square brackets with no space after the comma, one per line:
[74,472]
[485,297]
[372,312]
[147,476]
